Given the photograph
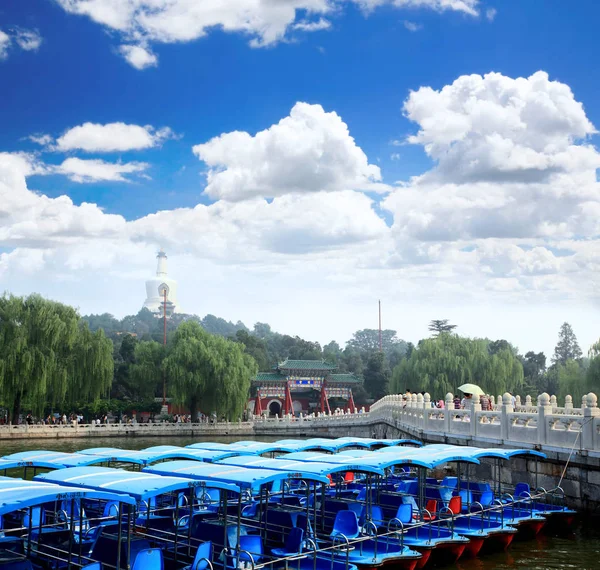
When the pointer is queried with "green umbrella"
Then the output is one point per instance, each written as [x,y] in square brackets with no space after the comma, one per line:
[471,389]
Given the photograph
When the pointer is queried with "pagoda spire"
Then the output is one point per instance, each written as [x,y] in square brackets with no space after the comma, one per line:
[161,266]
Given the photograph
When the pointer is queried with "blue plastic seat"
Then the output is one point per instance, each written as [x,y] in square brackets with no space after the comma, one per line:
[251,510]
[522,490]
[304,523]
[466,498]
[345,524]
[293,544]
[148,559]
[111,509]
[203,558]
[250,545]
[376,517]
[487,498]
[38,517]
[405,513]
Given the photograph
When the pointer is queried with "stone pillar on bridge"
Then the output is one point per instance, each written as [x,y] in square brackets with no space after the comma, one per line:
[590,413]
[448,414]
[507,408]
[426,410]
[475,407]
[544,410]
[568,404]
[419,407]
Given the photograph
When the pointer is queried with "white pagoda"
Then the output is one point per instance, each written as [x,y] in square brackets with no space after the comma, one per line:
[157,286]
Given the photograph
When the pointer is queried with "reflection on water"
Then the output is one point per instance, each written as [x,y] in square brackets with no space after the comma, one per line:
[578,550]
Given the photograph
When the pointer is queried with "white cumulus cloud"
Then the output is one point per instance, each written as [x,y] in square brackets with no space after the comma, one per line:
[143,22]
[20,38]
[138,56]
[96,170]
[311,150]
[28,40]
[111,137]
[514,176]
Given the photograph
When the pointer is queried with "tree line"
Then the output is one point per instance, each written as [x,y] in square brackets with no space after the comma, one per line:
[53,359]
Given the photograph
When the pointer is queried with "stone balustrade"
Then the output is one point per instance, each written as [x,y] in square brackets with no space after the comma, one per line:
[545,424]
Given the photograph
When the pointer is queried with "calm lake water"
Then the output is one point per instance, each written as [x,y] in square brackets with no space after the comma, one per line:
[579,549]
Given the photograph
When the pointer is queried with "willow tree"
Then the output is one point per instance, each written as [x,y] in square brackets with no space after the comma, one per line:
[44,353]
[147,370]
[91,366]
[441,364]
[208,371]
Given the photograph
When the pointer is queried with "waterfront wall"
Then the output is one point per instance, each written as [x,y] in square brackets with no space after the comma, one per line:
[74,430]
[568,436]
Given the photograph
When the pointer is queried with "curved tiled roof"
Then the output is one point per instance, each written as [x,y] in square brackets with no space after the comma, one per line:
[306,365]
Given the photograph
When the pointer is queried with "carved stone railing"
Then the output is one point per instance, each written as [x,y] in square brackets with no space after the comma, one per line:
[545,424]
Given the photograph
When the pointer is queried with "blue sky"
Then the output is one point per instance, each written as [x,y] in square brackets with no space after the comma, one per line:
[203,82]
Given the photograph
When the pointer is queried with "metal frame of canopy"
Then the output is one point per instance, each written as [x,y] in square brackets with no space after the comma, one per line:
[498,454]
[324,468]
[248,480]
[143,487]
[18,495]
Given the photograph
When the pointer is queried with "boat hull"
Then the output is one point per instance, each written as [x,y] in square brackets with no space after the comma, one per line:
[475,545]
[447,553]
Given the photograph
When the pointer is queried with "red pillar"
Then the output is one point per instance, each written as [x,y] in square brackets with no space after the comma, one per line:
[288,406]
[257,405]
[324,400]
[351,404]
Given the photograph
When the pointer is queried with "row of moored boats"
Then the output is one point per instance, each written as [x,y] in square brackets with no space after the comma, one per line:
[316,504]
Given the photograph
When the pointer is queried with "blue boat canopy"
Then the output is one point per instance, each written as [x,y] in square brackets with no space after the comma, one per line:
[147,457]
[259,448]
[322,468]
[407,455]
[141,486]
[241,476]
[16,494]
[371,443]
[51,459]
[164,452]
[479,452]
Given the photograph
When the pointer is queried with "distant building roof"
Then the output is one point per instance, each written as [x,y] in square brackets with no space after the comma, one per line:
[269,377]
[313,368]
[306,365]
[345,378]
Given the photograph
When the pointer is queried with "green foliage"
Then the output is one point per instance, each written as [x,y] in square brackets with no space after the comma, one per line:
[48,356]
[571,380]
[377,376]
[255,347]
[441,326]
[440,364]
[567,347]
[534,368]
[146,372]
[593,375]
[208,372]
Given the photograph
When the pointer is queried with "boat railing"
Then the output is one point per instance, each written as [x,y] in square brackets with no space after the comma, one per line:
[197,564]
[343,539]
[499,506]
[396,531]
[481,511]
[429,519]
[445,514]
[370,529]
